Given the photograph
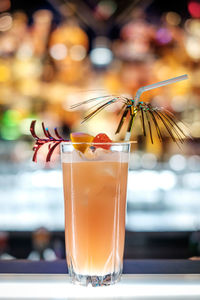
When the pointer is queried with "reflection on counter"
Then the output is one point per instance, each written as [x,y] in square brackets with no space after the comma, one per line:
[138,287]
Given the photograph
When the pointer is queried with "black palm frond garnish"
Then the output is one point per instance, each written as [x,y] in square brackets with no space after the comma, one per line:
[123,118]
[156,126]
[150,117]
[149,124]
[142,120]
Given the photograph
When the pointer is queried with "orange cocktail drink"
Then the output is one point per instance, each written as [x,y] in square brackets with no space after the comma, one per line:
[95,184]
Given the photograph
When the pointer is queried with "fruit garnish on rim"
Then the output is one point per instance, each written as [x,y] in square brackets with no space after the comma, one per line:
[82,141]
[102,138]
[82,138]
[100,145]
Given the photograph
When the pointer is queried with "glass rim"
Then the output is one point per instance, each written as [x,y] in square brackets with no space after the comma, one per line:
[106,143]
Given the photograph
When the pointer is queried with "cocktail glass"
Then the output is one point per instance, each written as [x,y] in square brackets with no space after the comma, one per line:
[95,186]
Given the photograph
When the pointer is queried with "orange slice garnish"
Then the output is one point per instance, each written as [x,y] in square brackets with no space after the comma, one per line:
[81,137]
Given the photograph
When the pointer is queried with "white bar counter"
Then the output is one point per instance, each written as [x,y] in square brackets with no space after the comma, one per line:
[138,286]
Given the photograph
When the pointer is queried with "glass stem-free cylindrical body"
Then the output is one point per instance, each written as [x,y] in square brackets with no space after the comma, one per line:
[95,187]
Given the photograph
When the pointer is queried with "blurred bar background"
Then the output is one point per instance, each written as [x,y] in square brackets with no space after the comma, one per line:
[55,53]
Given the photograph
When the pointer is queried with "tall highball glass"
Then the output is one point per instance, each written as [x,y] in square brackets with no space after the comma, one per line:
[95,186]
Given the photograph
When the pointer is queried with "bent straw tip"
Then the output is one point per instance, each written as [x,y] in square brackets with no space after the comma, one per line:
[158,84]
[185,76]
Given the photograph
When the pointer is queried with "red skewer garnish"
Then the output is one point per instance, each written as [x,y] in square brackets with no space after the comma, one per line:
[39,142]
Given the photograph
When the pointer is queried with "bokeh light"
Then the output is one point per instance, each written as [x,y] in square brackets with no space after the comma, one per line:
[5,21]
[58,51]
[78,52]
[193,26]
[4,5]
[177,162]
[101,56]
[173,18]
[105,9]
[192,45]
[163,36]
[194,9]
[25,51]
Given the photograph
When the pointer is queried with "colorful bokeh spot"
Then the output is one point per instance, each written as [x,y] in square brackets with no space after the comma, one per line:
[194,9]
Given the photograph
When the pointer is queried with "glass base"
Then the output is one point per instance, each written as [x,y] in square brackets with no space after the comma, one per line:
[95,280]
